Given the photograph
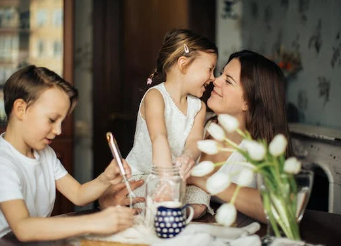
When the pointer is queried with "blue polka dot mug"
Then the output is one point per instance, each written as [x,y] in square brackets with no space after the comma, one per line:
[170,221]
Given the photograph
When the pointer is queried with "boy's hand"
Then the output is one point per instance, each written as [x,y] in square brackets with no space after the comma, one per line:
[113,219]
[186,163]
[112,172]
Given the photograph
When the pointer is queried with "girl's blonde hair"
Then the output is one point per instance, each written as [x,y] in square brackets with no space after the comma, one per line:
[30,82]
[177,43]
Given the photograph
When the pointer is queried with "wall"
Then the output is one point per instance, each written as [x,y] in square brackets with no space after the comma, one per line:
[83,81]
[312,28]
[228,29]
[309,28]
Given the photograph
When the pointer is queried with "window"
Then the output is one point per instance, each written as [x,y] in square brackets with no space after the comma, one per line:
[40,48]
[57,18]
[41,17]
[26,37]
[57,48]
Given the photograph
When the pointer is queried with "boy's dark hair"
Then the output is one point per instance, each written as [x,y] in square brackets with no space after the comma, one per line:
[30,82]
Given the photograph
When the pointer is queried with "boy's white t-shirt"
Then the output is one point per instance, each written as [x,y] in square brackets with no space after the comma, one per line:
[32,180]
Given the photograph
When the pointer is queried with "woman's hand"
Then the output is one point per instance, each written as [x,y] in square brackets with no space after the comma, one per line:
[117,195]
[112,172]
[198,181]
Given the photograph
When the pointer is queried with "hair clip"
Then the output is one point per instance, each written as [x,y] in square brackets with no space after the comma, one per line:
[186,48]
[149,81]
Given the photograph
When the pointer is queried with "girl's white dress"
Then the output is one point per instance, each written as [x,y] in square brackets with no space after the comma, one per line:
[178,128]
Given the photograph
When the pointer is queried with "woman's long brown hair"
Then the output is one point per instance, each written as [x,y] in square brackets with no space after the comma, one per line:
[263,85]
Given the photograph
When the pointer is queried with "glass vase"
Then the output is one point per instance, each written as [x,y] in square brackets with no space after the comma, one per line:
[284,202]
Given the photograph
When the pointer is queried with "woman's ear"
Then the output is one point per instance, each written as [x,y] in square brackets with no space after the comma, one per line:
[19,108]
[245,107]
[182,64]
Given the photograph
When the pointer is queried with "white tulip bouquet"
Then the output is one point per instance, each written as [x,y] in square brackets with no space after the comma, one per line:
[280,197]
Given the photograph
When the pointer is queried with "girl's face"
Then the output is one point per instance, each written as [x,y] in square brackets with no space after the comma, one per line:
[42,121]
[227,94]
[200,73]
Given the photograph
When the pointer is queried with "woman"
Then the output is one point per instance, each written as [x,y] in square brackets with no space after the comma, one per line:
[251,88]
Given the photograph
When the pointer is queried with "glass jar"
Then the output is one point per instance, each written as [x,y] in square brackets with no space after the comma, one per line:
[164,186]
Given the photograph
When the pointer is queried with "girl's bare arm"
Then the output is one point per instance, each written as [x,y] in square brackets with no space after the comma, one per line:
[191,152]
[196,133]
[153,112]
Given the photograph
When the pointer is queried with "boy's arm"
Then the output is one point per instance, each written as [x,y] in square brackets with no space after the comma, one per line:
[81,195]
[28,228]
[78,194]
[153,112]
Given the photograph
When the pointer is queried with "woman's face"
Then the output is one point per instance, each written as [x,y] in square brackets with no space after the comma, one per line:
[227,94]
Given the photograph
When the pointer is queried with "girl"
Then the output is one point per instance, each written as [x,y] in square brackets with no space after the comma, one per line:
[36,102]
[171,116]
[250,88]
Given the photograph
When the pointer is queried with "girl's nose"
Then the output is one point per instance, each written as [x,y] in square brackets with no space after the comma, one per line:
[216,81]
[212,78]
[57,129]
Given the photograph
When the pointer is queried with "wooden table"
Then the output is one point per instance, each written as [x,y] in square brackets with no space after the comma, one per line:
[316,228]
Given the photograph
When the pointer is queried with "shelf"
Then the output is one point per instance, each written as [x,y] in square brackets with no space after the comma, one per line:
[317,132]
